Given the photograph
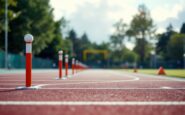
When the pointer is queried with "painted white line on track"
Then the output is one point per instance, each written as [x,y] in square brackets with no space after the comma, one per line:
[79,80]
[113,81]
[93,82]
[41,85]
[76,82]
[156,76]
[166,87]
[120,74]
[96,103]
[105,81]
[111,88]
[81,88]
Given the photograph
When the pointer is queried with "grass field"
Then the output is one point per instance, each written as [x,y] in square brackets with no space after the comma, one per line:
[169,72]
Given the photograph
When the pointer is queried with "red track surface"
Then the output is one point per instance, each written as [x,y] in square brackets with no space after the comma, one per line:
[93,86]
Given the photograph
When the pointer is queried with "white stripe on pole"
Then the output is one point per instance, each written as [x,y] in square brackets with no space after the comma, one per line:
[60,57]
[73,61]
[28,48]
[66,58]
[60,53]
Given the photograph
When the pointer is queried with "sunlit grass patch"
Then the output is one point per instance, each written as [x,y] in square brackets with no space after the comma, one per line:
[169,72]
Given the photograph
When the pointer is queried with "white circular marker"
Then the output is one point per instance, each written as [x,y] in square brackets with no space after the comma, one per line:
[66,56]
[60,52]
[28,38]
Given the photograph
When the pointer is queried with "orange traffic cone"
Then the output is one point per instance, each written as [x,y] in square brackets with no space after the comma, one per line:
[161,71]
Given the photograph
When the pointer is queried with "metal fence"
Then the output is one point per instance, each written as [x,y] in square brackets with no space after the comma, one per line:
[18,61]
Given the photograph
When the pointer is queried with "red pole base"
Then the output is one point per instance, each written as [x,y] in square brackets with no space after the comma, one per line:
[73,69]
[60,68]
[66,66]
[28,69]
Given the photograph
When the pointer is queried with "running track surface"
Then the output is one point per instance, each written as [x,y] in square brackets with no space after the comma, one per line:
[92,92]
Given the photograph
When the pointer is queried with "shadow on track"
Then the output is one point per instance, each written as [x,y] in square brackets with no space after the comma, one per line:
[9,90]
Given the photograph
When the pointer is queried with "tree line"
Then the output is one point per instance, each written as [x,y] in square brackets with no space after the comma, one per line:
[168,47]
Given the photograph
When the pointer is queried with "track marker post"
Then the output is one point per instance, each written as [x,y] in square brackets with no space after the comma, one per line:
[73,66]
[28,38]
[66,66]
[60,63]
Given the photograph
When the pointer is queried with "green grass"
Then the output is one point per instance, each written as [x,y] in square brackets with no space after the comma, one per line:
[169,72]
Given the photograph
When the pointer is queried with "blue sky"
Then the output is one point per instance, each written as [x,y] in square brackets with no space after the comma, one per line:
[96,17]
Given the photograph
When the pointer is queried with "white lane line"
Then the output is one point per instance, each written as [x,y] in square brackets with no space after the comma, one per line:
[78,80]
[111,88]
[41,85]
[81,88]
[157,76]
[166,87]
[96,103]
[93,82]
[120,74]
[76,83]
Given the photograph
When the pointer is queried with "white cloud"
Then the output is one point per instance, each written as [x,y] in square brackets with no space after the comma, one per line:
[160,30]
[162,13]
[96,17]
[69,7]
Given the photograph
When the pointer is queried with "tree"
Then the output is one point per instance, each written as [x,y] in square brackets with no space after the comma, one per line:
[72,36]
[85,39]
[119,34]
[57,44]
[163,40]
[140,45]
[11,16]
[35,17]
[130,56]
[82,44]
[175,48]
[124,55]
[142,27]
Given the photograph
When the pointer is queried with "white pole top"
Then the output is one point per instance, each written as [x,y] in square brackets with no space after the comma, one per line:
[60,52]
[28,38]
[66,56]
[73,60]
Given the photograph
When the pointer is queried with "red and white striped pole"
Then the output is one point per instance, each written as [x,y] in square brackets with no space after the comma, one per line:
[73,66]
[66,65]
[60,54]
[28,38]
